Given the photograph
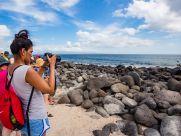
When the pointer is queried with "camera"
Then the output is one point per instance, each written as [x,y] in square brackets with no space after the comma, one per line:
[45,56]
[58,60]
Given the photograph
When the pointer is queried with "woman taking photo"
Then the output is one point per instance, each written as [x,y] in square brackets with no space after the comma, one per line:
[24,79]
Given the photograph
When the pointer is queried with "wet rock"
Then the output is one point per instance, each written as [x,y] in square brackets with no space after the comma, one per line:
[170,96]
[175,110]
[64,99]
[151,132]
[174,85]
[170,126]
[149,102]
[119,88]
[129,102]
[87,104]
[101,111]
[76,97]
[145,118]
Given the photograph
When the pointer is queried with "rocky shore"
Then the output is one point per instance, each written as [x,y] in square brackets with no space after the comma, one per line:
[147,99]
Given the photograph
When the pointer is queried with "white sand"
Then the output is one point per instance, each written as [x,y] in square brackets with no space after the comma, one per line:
[75,121]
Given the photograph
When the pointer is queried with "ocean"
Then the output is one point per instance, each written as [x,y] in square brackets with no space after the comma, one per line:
[137,60]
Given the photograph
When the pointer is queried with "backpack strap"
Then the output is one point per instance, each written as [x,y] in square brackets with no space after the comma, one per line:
[27,111]
[9,83]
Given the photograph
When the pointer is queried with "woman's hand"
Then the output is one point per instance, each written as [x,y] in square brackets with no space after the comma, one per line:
[52,60]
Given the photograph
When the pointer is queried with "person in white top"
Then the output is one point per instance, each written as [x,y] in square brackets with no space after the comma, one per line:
[25,78]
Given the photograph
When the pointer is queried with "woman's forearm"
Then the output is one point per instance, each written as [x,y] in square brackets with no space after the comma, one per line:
[52,78]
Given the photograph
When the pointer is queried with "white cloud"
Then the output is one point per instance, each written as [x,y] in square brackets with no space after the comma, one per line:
[62,5]
[4,31]
[93,38]
[28,8]
[157,14]
[118,13]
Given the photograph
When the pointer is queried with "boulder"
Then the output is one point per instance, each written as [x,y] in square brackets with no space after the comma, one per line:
[121,124]
[128,80]
[114,109]
[170,126]
[170,96]
[130,129]
[64,99]
[76,97]
[151,132]
[101,93]
[98,83]
[174,85]
[93,93]
[109,128]
[128,117]
[141,96]
[101,111]
[144,115]
[175,110]
[150,102]
[160,116]
[96,100]
[163,104]
[136,77]
[97,133]
[119,88]
[87,104]
[80,79]
[119,96]
[129,102]
[109,99]
[86,94]
[135,87]
[176,71]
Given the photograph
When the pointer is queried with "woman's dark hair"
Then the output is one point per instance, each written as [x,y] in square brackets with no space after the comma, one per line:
[20,41]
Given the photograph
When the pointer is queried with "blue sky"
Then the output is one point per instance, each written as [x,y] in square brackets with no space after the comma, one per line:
[94,26]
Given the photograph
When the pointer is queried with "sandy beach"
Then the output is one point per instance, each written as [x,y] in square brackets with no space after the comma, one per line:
[75,121]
